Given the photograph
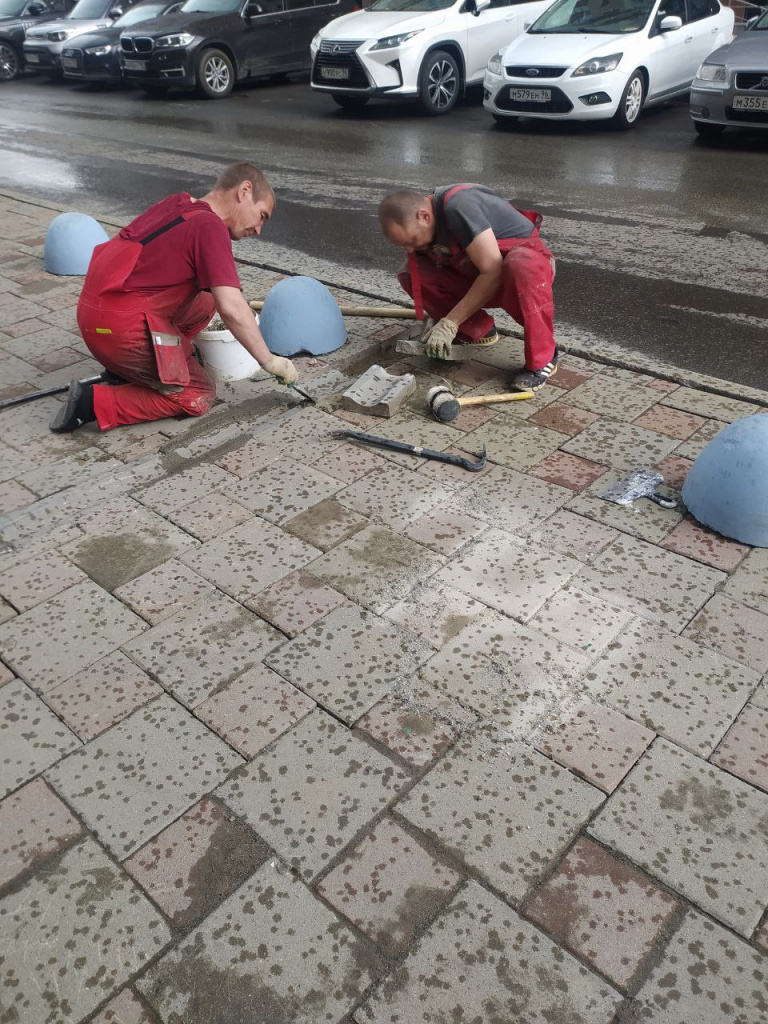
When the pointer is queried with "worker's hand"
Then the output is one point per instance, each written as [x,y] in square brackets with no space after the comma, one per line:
[281,368]
[440,338]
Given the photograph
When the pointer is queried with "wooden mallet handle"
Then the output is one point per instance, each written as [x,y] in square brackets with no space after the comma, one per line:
[387,312]
[510,396]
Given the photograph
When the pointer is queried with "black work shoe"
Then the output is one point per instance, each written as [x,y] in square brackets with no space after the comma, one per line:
[76,410]
[487,339]
[532,380]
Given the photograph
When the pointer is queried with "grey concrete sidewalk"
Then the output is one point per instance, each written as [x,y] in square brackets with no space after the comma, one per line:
[294,731]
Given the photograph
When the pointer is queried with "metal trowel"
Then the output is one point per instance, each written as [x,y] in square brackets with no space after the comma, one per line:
[640,483]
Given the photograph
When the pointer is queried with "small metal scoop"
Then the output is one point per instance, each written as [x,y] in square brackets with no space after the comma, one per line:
[640,483]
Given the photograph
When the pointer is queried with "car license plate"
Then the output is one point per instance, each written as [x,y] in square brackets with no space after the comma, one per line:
[531,95]
[334,72]
[32,58]
[69,62]
[135,65]
[750,102]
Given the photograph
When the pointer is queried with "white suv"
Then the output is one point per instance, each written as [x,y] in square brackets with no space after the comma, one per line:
[430,49]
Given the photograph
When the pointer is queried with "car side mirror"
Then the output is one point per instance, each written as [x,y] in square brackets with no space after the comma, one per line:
[253,10]
[479,6]
[671,23]
[36,9]
[115,12]
[751,22]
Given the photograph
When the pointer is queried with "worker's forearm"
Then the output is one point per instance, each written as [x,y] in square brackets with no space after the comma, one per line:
[242,323]
[483,288]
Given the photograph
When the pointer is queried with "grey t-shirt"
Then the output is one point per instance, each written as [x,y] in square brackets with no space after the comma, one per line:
[472,211]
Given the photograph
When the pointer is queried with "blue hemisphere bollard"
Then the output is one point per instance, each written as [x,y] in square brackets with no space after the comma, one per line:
[69,243]
[727,486]
[301,315]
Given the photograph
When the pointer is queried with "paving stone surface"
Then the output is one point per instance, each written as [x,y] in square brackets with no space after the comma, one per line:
[33,582]
[326,524]
[703,403]
[393,496]
[674,469]
[154,765]
[125,1008]
[579,620]
[620,445]
[674,686]
[93,930]
[732,629]
[306,964]
[749,583]
[296,602]
[706,975]
[694,827]
[603,910]
[744,749]
[349,462]
[614,398]
[568,471]
[211,516]
[644,519]
[480,961]
[693,446]
[254,709]
[574,535]
[349,660]
[511,501]
[181,489]
[518,444]
[435,613]
[283,490]
[163,591]
[444,532]
[196,862]
[695,541]
[670,422]
[198,650]
[31,737]
[564,418]
[312,791]
[34,826]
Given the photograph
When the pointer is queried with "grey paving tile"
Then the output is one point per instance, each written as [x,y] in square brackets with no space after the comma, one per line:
[283,490]
[36,580]
[644,519]
[734,630]
[180,489]
[705,975]
[584,622]
[674,686]
[163,591]
[34,826]
[310,792]
[696,828]
[198,650]
[480,961]
[349,660]
[326,524]
[393,496]
[703,403]
[376,567]
[125,1008]
[153,766]
[693,446]
[514,442]
[435,613]
[506,810]
[66,634]
[573,535]
[760,696]
[748,584]
[271,953]
[620,445]
[72,936]
[510,500]
[247,559]
[617,399]
[496,570]
[32,736]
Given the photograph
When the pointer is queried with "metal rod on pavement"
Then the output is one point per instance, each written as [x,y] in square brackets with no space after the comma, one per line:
[387,312]
[58,390]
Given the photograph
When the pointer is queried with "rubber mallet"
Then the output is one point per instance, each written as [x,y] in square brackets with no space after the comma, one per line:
[445,406]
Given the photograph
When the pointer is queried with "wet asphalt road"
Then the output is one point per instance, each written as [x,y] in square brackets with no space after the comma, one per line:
[662,241]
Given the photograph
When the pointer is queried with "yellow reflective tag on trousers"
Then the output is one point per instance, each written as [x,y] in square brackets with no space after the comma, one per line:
[103,330]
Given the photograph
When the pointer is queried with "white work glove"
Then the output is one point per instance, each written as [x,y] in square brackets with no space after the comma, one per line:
[282,369]
[440,338]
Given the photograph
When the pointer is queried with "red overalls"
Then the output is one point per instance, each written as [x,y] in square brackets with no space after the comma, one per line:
[145,340]
[440,281]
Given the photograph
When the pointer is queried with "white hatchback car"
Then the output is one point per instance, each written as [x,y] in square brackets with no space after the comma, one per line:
[595,59]
[430,49]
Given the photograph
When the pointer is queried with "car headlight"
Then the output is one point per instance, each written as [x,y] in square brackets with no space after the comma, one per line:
[598,65]
[390,42]
[712,73]
[494,64]
[315,44]
[177,40]
[59,37]
[99,51]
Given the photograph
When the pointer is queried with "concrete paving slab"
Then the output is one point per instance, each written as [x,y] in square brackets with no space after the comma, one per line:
[691,539]
[283,490]
[480,961]
[613,398]
[154,765]
[643,518]
[125,1008]
[511,501]
[349,462]
[672,685]
[704,403]
[574,535]
[326,524]
[504,809]
[34,826]
[394,496]
[564,418]
[378,393]
[744,749]
[178,490]
[435,613]
[80,626]
[163,591]
[198,650]
[674,468]
[732,629]
[513,442]
[304,965]
[749,583]
[620,445]
[697,442]
[569,471]
[33,582]
[92,931]
[670,422]
[211,516]
[584,622]
[349,660]
[15,496]
[444,531]
[694,827]
[310,792]
[79,468]
[296,602]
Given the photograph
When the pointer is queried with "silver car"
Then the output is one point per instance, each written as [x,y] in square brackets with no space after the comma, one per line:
[43,44]
[731,86]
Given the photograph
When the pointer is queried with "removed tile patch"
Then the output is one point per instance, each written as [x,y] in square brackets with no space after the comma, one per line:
[378,393]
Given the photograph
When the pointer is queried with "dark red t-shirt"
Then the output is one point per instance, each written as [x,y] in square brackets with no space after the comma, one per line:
[199,249]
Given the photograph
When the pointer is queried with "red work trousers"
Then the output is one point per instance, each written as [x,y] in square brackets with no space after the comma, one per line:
[525,293]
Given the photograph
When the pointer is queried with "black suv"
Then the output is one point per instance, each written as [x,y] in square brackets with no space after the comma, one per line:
[15,18]
[211,44]
[95,56]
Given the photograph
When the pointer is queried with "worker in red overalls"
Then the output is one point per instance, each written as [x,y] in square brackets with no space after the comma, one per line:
[152,288]
[468,248]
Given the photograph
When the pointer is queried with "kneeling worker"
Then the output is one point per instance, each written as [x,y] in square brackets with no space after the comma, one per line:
[152,288]
[468,248]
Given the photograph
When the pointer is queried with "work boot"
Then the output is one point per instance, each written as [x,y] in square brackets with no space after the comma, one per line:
[490,338]
[76,410]
[532,380]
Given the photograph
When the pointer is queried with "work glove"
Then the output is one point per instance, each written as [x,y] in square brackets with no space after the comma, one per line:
[282,369]
[440,338]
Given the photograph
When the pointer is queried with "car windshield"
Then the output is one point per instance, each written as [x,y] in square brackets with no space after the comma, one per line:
[88,10]
[210,6]
[411,5]
[576,17]
[11,8]
[141,13]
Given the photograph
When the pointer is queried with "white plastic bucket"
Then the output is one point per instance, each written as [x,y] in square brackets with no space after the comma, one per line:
[223,355]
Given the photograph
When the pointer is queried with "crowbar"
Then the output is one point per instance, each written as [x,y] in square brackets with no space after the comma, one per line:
[413,449]
[58,390]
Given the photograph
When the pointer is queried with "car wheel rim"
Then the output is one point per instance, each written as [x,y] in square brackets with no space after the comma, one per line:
[441,84]
[634,99]
[216,74]
[9,64]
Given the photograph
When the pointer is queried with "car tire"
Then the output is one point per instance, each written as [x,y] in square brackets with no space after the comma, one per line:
[708,131]
[215,74]
[631,103]
[10,62]
[347,102]
[439,83]
[505,120]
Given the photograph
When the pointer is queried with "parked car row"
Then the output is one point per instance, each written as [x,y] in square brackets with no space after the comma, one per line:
[567,59]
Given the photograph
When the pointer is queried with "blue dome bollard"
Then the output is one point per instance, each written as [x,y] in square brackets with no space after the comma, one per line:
[69,243]
[301,315]
[727,486]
